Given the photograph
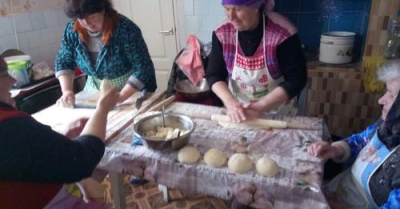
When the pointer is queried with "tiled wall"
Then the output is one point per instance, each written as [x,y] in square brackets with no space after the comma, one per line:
[312,17]
[339,97]
[201,17]
[32,26]
[381,11]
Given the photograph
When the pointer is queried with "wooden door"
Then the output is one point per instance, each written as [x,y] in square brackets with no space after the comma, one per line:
[156,21]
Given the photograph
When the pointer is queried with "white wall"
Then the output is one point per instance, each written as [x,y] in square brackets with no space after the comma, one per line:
[36,29]
[200,18]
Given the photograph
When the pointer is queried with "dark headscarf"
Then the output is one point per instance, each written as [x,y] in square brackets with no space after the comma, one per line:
[389,130]
[3,66]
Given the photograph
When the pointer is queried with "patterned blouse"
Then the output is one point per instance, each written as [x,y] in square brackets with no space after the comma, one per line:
[125,59]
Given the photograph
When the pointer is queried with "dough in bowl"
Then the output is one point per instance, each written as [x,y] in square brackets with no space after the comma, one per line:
[215,158]
[267,167]
[239,163]
[188,155]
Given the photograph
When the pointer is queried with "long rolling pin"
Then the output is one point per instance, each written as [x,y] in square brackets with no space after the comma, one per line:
[130,121]
[164,103]
[258,122]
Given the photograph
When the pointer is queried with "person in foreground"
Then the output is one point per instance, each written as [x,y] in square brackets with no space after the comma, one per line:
[373,180]
[104,45]
[36,163]
[256,62]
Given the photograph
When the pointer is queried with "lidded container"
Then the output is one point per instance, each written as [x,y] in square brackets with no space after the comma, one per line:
[392,45]
[336,47]
[18,70]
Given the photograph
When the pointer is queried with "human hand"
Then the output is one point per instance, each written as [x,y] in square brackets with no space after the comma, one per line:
[325,151]
[73,129]
[235,111]
[253,110]
[67,99]
[108,99]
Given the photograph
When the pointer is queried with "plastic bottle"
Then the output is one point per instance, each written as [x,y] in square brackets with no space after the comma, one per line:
[392,45]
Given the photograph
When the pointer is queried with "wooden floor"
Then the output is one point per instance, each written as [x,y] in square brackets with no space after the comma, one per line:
[147,196]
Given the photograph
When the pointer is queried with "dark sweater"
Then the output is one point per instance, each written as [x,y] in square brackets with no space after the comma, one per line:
[31,151]
[289,53]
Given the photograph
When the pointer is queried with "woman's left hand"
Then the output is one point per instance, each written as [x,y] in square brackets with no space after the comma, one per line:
[253,110]
[74,128]
[235,111]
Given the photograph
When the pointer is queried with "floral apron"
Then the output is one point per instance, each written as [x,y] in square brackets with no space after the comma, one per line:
[250,79]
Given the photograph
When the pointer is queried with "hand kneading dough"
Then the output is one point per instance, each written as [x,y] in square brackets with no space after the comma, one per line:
[215,158]
[239,163]
[188,154]
[267,167]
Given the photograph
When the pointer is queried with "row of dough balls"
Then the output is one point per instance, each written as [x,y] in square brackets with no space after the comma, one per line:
[238,163]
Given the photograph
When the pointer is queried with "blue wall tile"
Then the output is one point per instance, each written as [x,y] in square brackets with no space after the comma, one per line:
[351,21]
[309,5]
[313,17]
[293,17]
[287,5]
[311,25]
[345,5]
[368,5]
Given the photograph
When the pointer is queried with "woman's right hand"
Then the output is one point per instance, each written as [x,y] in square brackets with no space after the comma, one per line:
[67,99]
[108,99]
[235,111]
[325,150]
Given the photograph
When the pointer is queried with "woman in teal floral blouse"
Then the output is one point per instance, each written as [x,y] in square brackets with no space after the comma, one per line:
[104,45]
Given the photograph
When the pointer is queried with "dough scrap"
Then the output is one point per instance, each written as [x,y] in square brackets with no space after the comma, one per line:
[188,155]
[267,167]
[215,157]
[239,163]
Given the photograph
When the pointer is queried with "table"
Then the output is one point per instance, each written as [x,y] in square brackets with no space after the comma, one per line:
[297,185]
[118,119]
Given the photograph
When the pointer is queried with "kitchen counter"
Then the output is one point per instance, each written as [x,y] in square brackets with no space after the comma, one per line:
[317,65]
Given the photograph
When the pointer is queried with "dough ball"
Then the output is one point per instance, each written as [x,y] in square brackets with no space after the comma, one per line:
[267,167]
[188,155]
[215,158]
[105,86]
[239,163]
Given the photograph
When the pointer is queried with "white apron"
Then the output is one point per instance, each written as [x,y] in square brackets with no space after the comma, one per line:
[250,80]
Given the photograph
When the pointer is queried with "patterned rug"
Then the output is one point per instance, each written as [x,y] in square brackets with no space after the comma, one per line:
[147,196]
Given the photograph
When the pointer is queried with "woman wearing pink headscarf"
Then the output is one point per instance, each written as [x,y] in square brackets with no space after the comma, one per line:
[256,63]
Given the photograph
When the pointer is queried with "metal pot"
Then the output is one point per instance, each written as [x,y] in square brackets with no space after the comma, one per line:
[191,92]
[151,122]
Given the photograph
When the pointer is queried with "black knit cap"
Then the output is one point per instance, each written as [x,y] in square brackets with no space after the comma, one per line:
[3,65]
[83,8]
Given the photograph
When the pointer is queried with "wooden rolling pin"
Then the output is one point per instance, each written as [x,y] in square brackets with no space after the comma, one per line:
[164,103]
[130,121]
[258,122]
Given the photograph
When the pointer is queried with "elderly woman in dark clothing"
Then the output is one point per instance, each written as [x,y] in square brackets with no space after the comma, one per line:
[36,162]
[104,45]
[374,155]
[256,63]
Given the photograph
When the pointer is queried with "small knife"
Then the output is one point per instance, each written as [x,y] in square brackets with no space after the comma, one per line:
[140,100]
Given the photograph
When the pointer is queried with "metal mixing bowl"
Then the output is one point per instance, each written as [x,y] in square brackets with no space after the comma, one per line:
[151,122]
[191,92]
